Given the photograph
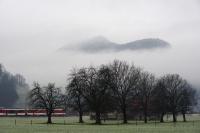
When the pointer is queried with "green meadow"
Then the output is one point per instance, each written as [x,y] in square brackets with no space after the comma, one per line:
[70,125]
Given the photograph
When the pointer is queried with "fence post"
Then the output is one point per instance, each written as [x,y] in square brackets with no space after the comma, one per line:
[31,122]
[15,122]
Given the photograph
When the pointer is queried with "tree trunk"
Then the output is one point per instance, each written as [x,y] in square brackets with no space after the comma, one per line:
[145,112]
[145,116]
[184,118]
[161,117]
[49,118]
[80,117]
[174,116]
[124,115]
[80,110]
[98,118]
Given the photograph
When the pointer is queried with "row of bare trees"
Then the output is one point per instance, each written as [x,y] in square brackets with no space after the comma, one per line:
[117,87]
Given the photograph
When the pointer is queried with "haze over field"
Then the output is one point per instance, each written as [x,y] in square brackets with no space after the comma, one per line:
[32,32]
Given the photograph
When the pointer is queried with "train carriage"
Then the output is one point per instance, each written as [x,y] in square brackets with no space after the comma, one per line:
[29,112]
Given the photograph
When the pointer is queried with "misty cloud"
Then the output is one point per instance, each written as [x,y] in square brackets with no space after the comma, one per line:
[31,31]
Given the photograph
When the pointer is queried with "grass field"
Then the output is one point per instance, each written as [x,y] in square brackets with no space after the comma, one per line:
[70,125]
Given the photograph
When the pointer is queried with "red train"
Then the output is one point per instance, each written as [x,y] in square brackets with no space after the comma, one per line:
[29,112]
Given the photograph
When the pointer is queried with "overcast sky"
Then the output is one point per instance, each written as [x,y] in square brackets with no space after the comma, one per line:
[31,31]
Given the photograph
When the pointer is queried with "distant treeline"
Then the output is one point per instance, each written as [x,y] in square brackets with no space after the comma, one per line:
[117,87]
[13,89]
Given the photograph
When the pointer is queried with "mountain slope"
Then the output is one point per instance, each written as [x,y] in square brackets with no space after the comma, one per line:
[99,44]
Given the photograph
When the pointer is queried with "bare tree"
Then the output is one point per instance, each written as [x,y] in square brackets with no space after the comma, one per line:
[160,99]
[187,100]
[174,85]
[74,91]
[48,97]
[147,85]
[97,90]
[125,80]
